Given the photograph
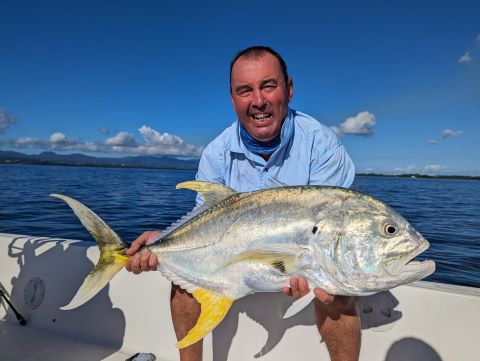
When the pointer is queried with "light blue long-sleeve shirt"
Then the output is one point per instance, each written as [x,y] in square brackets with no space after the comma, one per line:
[309,153]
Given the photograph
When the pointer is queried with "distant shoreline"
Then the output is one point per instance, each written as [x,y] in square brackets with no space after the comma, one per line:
[417,175]
[96,165]
[82,160]
[130,166]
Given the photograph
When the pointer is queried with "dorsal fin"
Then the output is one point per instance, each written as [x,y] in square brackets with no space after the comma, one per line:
[212,193]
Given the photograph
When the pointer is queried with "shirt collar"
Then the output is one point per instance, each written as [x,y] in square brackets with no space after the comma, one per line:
[237,145]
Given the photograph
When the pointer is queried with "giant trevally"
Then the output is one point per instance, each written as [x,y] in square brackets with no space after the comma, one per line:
[235,244]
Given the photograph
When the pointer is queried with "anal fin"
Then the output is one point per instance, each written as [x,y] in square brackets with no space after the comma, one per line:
[214,307]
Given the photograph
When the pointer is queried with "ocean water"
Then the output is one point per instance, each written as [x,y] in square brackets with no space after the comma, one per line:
[446,212]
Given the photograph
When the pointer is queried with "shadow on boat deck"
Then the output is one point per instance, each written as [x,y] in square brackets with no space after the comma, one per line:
[50,274]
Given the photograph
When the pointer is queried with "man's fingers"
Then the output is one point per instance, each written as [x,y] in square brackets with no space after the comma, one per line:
[152,261]
[287,291]
[133,249]
[144,260]
[143,239]
[323,296]
[133,264]
[303,288]
[136,244]
[298,287]
[294,286]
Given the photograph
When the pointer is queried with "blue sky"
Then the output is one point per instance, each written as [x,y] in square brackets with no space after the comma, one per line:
[398,80]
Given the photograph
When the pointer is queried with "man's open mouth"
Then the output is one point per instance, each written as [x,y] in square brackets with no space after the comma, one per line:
[261,116]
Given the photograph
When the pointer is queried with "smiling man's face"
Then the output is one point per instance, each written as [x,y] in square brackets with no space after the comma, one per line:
[260,95]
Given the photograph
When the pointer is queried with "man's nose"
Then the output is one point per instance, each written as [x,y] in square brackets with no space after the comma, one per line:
[259,100]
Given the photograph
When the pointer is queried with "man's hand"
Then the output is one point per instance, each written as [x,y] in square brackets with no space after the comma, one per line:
[145,260]
[299,288]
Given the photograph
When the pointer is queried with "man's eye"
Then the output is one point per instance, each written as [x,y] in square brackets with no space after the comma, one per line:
[269,87]
[243,92]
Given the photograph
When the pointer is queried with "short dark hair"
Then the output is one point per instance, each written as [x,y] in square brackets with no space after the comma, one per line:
[255,52]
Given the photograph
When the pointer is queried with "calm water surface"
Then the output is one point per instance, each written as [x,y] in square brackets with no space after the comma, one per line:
[446,212]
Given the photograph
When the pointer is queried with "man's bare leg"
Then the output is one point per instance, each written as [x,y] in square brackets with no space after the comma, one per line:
[185,312]
[339,325]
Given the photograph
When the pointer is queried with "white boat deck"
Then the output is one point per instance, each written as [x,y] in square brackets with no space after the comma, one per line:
[424,321]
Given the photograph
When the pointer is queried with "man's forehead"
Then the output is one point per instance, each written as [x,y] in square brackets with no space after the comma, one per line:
[259,67]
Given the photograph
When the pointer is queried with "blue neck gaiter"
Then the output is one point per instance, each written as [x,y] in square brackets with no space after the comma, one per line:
[257,147]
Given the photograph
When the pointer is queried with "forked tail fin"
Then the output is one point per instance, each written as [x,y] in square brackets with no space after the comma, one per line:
[112,253]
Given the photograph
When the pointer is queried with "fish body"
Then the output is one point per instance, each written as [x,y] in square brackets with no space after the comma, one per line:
[339,239]
[343,241]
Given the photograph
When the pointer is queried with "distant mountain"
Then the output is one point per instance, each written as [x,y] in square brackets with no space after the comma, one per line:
[53,158]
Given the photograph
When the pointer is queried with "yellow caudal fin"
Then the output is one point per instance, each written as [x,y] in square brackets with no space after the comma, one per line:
[112,253]
[214,308]
[107,267]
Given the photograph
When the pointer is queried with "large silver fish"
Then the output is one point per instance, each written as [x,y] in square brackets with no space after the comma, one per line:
[342,241]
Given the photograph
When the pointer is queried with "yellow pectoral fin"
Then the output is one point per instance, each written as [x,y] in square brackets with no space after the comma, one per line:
[214,307]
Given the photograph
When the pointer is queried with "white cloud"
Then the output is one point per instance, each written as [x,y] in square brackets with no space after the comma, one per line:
[58,138]
[26,141]
[157,143]
[408,169]
[452,133]
[6,120]
[154,143]
[432,141]
[105,131]
[152,137]
[434,168]
[465,58]
[430,168]
[122,139]
[360,124]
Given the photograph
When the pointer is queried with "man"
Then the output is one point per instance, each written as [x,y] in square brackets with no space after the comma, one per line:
[269,141]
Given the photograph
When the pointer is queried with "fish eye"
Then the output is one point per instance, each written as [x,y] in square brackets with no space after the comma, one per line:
[390,229]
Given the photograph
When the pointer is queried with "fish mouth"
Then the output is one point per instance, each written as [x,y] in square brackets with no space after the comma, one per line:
[418,269]
[408,267]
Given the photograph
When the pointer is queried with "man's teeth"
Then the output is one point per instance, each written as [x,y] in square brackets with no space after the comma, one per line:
[260,116]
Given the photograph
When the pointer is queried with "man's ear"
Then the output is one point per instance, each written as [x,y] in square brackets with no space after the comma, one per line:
[290,89]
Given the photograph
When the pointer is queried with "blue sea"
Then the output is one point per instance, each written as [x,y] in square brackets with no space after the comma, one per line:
[446,212]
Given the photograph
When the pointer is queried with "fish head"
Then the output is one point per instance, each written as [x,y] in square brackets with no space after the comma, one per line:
[372,247]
